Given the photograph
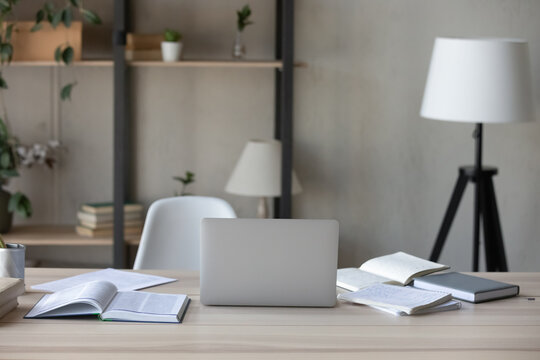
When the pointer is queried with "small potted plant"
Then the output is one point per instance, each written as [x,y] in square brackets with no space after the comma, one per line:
[12,259]
[186,180]
[171,46]
[239,49]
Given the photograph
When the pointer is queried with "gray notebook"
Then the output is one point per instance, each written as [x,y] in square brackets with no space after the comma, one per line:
[467,287]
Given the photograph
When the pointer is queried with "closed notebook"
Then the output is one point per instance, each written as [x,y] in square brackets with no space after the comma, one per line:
[467,287]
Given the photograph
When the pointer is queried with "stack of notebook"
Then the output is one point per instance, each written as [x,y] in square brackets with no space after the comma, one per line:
[381,283]
[97,219]
[10,289]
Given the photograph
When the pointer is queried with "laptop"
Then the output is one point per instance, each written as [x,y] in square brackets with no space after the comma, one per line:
[269,262]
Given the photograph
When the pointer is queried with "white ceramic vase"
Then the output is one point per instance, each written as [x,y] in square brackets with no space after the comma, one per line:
[171,51]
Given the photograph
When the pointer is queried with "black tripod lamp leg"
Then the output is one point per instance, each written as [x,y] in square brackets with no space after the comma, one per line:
[497,242]
[457,194]
[489,233]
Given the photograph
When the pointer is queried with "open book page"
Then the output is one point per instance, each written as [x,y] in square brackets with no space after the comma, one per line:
[406,299]
[447,306]
[84,299]
[123,280]
[401,267]
[354,279]
[144,306]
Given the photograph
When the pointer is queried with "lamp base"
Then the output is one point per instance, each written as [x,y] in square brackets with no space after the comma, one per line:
[487,207]
[262,208]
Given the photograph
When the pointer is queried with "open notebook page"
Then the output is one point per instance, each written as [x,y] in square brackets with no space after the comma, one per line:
[135,305]
[84,299]
[123,280]
[406,299]
[401,267]
[354,279]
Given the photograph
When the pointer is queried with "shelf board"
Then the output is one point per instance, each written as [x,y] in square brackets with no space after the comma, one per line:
[264,64]
[56,235]
[94,63]
[273,64]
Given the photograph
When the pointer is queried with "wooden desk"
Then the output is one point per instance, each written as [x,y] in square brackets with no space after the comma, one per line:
[504,329]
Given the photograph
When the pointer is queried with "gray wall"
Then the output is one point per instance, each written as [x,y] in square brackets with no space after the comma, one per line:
[362,153]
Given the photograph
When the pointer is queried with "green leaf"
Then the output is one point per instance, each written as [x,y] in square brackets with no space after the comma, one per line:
[58,54]
[9,31]
[6,52]
[75,3]
[8,173]
[40,15]
[36,27]
[3,83]
[4,134]
[67,17]
[91,17]
[49,9]
[67,55]
[57,18]
[20,204]
[5,160]
[14,201]
[65,93]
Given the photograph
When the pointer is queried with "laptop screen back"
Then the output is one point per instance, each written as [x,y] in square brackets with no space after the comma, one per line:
[269,262]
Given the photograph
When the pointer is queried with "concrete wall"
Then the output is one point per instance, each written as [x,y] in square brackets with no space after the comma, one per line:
[362,153]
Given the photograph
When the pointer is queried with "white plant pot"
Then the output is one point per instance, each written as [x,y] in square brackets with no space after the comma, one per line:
[12,261]
[171,51]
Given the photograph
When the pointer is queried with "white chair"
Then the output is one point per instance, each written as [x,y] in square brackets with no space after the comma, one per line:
[170,237]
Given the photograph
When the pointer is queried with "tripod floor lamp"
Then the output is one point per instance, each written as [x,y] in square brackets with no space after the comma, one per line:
[479,81]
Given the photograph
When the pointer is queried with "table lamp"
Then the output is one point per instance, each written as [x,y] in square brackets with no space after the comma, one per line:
[258,173]
[479,81]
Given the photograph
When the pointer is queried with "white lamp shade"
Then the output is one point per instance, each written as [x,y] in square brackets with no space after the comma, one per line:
[479,81]
[258,171]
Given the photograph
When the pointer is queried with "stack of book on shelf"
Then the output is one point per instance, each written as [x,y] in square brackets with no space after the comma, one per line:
[382,284]
[10,289]
[97,220]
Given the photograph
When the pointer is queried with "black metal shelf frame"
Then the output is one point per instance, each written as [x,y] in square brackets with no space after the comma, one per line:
[284,51]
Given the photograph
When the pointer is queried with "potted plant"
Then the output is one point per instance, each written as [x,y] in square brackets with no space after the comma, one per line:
[14,155]
[239,49]
[171,47]
[12,259]
[186,180]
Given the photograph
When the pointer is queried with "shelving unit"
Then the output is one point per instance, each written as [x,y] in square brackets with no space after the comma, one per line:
[260,64]
[283,65]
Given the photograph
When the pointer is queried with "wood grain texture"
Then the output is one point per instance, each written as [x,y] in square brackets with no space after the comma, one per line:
[501,329]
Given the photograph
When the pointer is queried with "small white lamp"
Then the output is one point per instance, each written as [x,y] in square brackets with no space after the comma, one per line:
[258,173]
[478,81]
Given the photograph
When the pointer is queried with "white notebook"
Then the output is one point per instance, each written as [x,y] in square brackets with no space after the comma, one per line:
[405,299]
[398,268]
[103,298]
[123,280]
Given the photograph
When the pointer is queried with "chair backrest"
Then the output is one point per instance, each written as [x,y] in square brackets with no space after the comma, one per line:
[171,233]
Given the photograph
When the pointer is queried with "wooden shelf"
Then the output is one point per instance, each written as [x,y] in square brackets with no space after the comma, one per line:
[89,63]
[264,64]
[53,235]
[269,64]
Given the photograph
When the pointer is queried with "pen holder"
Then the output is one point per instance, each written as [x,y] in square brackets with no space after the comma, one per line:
[12,261]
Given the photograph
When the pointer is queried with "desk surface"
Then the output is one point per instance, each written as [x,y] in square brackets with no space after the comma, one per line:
[503,329]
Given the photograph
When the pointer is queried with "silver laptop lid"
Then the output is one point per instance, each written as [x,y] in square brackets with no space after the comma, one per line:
[269,262]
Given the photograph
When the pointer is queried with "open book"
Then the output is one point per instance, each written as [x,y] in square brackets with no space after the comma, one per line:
[398,268]
[104,299]
[398,300]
